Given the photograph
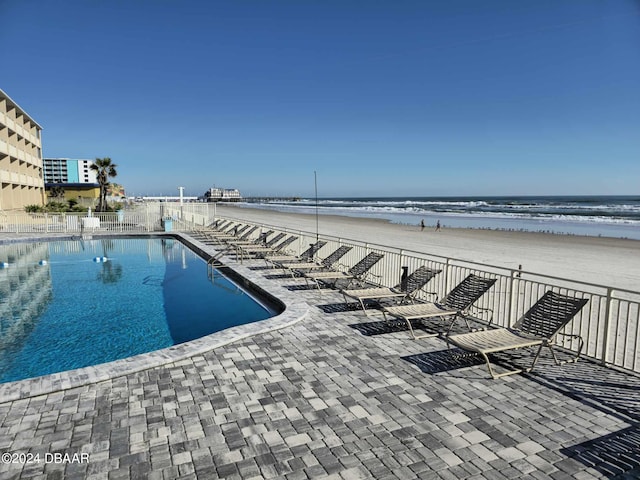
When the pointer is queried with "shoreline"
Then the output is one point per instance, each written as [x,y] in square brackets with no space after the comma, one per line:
[607,261]
[548,217]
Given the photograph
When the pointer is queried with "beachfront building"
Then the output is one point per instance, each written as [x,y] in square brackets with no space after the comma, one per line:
[72,176]
[66,170]
[222,195]
[21,176]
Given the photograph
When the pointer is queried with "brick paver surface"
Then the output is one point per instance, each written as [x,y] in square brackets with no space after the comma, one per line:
[321,399]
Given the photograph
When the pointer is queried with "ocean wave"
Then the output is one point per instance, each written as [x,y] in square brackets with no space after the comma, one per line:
[610,218]
[337,202]
[408,203]
[383,209]
[593,209]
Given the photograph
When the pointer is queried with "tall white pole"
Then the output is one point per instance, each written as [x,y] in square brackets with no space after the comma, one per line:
[181,189]
[315,181]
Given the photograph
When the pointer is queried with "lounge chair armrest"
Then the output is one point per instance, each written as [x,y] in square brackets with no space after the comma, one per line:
[363,280]
[435,296]
[367,275]
[479,311]
[580,342]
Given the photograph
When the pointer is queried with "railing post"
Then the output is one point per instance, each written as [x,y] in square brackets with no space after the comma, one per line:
[46,223]
[400,261]
[447,267]
[510,298]
[607,326]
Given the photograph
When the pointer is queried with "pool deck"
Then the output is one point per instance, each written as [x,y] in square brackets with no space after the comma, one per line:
[334,395]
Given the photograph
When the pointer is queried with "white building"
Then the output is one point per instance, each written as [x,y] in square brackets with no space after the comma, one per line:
[222,195]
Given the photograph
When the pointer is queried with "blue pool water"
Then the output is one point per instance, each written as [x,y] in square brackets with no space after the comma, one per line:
[63,307]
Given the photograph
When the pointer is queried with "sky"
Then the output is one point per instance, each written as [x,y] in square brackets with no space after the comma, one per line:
[377,97]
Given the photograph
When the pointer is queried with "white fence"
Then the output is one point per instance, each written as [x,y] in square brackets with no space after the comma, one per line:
[147,217]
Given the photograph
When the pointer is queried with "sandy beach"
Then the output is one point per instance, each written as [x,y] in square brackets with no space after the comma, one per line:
[599,260]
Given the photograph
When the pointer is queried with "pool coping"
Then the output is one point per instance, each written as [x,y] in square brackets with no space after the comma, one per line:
[294,311]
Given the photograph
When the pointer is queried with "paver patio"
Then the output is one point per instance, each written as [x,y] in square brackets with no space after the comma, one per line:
[337,395]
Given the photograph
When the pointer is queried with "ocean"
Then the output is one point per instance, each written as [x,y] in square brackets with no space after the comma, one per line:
[607,216]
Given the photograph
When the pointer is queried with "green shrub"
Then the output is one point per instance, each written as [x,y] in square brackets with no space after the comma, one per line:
[56,207]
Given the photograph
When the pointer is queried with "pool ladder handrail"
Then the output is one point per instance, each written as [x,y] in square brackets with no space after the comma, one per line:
[212,264]
[215,259]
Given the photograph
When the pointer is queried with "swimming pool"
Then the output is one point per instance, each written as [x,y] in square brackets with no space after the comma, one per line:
[74,303]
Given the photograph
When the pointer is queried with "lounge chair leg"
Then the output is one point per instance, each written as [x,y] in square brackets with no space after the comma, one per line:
[455,317]
[563,362]
[418,337]
[396,321]
[553,354]
[486,359]
[535,359]
[364,309]
[345,299]
[492,372]
[576,357]
[499,375]
[413,335]
[293,272]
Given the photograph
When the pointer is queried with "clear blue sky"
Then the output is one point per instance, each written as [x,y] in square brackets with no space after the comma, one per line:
[396,97]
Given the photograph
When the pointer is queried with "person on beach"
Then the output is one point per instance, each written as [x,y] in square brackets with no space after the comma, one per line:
[422,225]
[438,226]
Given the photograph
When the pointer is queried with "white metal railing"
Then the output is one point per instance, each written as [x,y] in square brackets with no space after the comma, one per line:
[78,223]
[146,217]
[609,324]
[189,214]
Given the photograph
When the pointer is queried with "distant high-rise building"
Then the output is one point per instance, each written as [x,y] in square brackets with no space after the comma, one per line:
[67,170]
[74,177]
[21,175]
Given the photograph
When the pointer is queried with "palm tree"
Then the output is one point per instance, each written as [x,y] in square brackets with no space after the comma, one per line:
[104,170]
[56,192]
